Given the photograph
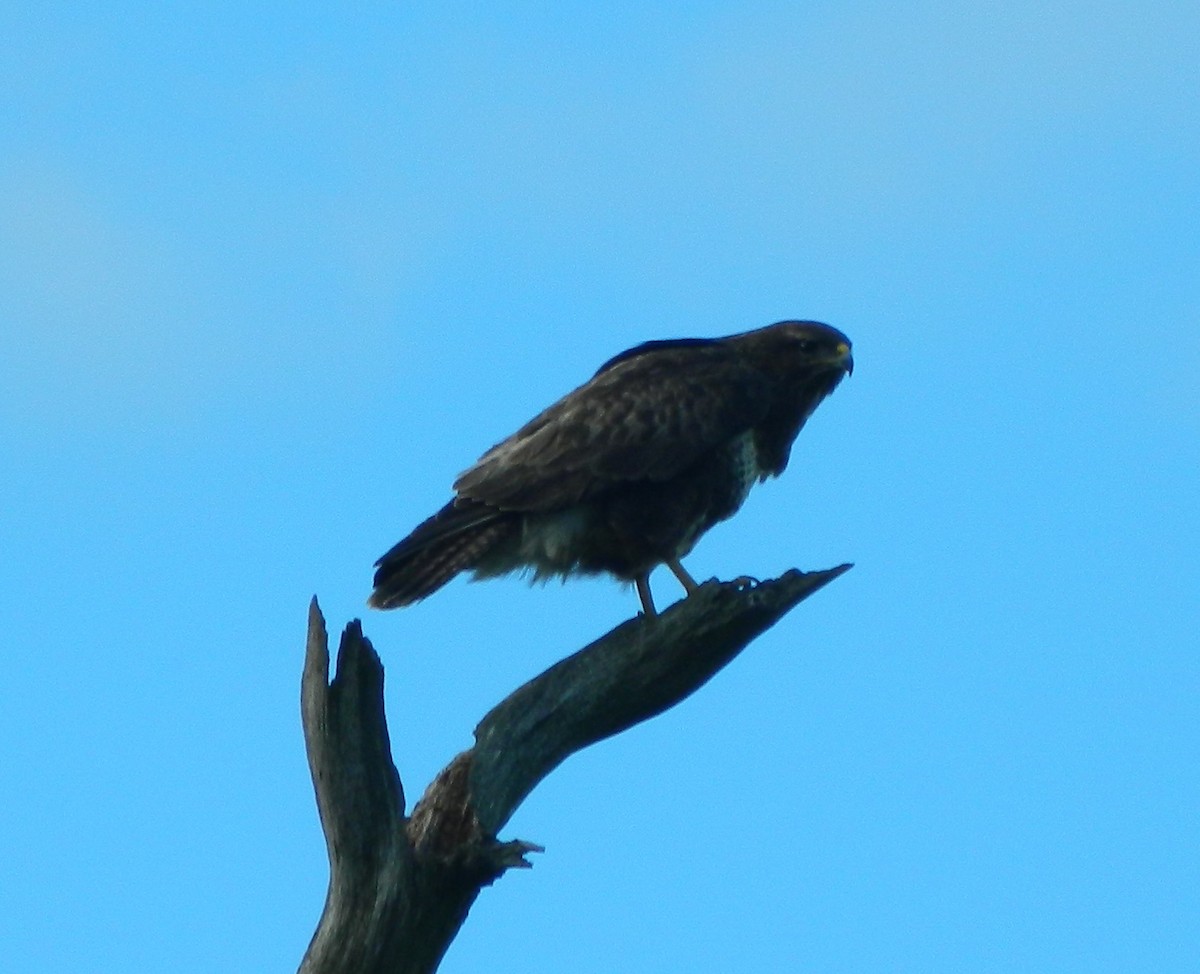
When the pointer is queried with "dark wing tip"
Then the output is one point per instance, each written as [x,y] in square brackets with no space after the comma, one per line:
[382,600]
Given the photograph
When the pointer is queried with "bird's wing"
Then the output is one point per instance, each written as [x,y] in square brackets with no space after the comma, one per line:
[647,417]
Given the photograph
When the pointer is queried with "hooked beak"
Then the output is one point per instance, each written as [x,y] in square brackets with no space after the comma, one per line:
[844,358]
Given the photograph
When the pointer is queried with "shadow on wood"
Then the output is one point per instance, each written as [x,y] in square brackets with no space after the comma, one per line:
[400,886]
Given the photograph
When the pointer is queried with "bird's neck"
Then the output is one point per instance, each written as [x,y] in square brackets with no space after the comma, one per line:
[778,431]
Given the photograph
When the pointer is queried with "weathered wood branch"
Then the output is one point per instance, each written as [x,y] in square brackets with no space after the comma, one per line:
[400,887]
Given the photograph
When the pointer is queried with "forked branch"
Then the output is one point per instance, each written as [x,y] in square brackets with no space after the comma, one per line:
[400,886]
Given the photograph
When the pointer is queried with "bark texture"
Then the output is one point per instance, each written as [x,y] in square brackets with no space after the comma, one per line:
[400,884]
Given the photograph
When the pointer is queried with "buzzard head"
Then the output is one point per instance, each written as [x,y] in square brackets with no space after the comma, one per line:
[805,351]
[806,360]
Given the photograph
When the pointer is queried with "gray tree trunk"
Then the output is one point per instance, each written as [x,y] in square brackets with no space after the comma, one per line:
[400,885]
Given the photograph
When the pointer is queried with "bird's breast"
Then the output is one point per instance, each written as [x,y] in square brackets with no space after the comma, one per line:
[744,469]
[722,485]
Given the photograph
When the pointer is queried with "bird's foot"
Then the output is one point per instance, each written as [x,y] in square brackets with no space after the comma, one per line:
[744,583]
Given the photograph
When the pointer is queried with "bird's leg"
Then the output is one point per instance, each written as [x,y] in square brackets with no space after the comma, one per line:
[689,584]
[643,590]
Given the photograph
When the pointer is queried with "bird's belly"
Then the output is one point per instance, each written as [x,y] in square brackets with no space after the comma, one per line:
[630,530]
[550,543]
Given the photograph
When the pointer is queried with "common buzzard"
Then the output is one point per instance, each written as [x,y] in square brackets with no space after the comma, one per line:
[629,470]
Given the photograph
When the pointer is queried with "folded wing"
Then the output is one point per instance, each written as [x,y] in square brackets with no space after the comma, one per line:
[646,417]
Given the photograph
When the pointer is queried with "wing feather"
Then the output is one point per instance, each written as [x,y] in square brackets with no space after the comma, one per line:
[647,418]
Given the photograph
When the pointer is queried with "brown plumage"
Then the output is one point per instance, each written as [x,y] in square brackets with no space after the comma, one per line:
[629,470]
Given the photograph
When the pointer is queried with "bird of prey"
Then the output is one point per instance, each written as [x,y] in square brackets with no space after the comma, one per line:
[629,470]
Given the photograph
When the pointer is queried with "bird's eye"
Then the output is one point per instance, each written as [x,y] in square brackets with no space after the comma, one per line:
[806,345]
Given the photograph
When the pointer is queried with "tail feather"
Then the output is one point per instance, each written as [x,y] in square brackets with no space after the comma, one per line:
[451,541]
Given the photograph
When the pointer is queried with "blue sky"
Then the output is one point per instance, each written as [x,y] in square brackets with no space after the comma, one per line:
[274,273]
